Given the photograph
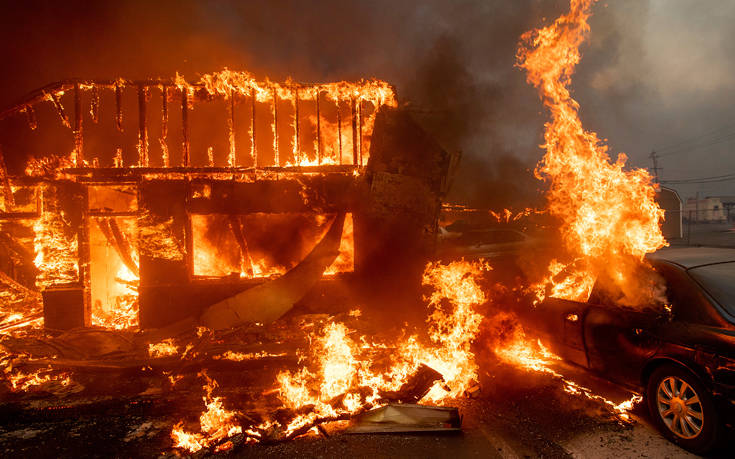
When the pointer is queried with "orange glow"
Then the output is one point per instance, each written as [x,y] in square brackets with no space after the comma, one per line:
[345,261]
[124,313]
[212,252]
[56,251]
[114,286]
[216,423]
[367,95]
[241,356]
[519,351]
[507,215]
[609,217]
[344,364]
[20,381]
[342,375]
[165,348]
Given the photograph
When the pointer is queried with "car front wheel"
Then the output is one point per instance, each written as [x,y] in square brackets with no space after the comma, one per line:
[682,409]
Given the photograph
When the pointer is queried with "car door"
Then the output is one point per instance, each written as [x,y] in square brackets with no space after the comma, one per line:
[559,325]
[620,340]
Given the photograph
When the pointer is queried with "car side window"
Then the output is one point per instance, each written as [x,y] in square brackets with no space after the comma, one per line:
[687,302]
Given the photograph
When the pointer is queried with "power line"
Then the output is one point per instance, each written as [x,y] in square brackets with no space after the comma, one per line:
[716,131]
[711,142]
[713,179]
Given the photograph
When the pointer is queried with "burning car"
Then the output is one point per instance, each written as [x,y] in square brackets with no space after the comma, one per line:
[682,357]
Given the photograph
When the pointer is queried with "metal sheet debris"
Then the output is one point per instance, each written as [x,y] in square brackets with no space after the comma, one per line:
[401,418]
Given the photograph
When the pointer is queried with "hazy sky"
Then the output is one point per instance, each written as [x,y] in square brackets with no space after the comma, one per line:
[654,75]
[671,87]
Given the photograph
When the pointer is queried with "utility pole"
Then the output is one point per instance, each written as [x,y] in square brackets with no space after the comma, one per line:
[655,168]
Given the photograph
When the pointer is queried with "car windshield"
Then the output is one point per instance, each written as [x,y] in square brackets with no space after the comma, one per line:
[719,281]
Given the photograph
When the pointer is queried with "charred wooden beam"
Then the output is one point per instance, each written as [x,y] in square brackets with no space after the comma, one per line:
[118,159]
[164,127]
[94,104]
[85,256]
[18,215]
[43,93]
[118,106]
[296,146]
[185,159]
[237,231]
[78,136]
[354,132]
[318,129]
[359,130]
[136,174]
[59,108]
[142,126]
[253,146]
[339,132]
[9,199]
[276,158]
[232,158]
[31,117]
[188,232]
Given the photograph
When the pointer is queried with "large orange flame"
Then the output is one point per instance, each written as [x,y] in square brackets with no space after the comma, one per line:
[610,219]
[346,374]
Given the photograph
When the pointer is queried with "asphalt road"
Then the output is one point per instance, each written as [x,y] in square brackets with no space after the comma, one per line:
[517,414]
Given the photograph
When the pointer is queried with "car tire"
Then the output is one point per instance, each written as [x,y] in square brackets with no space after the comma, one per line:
[676,400]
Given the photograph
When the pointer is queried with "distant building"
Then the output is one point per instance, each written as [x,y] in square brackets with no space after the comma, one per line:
[708,210]
[670,202]
[728,203]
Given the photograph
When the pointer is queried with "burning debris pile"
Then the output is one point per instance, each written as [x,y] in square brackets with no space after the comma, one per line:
[202,271]
[345,374]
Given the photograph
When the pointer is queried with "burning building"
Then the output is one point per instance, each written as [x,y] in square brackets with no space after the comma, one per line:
[147,237]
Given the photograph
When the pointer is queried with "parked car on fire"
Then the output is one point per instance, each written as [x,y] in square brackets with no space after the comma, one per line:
[682,360]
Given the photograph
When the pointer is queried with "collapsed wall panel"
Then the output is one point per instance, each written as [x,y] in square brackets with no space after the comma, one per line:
[404,182]
[162,244]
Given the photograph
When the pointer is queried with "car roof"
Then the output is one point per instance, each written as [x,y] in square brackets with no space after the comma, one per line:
[690,257]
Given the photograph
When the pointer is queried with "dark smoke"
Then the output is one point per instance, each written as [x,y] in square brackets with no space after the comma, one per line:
[452,63]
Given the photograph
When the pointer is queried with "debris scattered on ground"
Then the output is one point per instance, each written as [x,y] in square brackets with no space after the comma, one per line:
[402,418]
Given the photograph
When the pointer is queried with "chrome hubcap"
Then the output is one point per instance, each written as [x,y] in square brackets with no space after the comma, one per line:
[679,407]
